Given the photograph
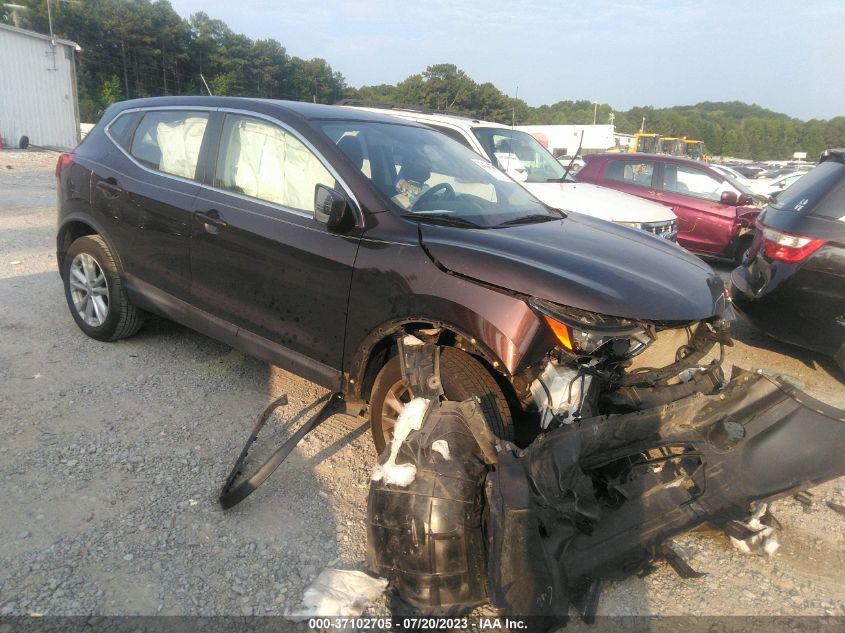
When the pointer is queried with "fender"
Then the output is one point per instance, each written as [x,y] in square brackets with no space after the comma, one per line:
[486,342]
[96,226]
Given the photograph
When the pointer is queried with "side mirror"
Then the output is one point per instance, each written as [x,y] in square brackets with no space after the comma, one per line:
[331,208]
[729,197]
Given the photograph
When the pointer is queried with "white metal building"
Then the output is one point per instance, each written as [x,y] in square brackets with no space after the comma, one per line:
[563,140]
[38,96]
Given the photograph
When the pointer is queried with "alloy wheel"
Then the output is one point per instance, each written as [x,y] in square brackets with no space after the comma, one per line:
[397,397]
[89,290]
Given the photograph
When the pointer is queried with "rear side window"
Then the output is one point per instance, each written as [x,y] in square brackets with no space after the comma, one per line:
[631,171]
[821,193]
[121,129]
[170,141]
[261,160]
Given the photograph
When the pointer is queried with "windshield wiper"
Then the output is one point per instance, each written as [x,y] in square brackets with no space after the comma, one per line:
[446,220]
[534,218]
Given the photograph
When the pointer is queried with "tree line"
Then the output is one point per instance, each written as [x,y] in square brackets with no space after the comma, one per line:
[139,48]
[727,128]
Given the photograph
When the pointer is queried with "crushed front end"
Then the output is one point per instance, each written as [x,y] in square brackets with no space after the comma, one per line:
[605,365]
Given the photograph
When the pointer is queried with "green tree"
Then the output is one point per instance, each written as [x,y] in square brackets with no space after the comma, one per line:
[111,92]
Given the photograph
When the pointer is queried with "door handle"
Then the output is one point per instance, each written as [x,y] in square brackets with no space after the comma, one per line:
[109,188]
[211,221]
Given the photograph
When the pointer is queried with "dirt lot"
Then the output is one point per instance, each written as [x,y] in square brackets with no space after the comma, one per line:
[113,454]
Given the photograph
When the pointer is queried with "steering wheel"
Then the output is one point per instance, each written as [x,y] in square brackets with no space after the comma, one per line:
[445,187]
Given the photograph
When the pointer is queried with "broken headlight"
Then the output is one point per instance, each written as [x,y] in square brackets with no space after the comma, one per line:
[584,333]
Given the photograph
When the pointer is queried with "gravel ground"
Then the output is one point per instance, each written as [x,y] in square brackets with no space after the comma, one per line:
[113,455]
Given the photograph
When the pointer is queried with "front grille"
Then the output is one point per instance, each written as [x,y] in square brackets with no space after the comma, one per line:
[667,229]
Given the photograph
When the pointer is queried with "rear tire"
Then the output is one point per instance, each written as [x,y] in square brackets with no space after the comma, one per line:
[462,377]
[741,249]
[95,292]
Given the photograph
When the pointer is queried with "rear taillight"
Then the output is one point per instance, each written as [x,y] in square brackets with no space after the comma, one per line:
[64,159]
[788,248]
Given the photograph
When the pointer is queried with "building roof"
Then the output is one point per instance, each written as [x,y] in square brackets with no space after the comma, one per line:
[57,40]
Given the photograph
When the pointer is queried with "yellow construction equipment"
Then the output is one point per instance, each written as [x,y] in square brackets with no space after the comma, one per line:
[646,142]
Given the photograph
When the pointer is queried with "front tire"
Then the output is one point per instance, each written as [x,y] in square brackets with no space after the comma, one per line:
[95,293]
[462,377]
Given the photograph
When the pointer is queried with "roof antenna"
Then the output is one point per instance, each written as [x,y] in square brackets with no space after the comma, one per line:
[575,155]
[206,85]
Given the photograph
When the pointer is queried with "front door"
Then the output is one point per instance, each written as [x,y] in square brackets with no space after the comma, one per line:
[259,258]
[705,224]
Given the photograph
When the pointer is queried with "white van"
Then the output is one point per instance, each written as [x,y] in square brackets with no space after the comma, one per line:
[524,159]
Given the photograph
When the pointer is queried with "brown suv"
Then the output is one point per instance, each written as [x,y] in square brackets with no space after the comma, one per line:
[314,236]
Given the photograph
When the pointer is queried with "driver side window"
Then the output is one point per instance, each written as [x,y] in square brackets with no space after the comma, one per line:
[691,182]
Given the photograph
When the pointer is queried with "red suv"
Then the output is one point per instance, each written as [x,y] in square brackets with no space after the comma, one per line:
[715,213]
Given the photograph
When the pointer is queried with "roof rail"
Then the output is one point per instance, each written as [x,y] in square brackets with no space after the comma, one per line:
[388,105]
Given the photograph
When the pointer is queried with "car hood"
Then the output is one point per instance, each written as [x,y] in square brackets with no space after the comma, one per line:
[584,263]
[599,202]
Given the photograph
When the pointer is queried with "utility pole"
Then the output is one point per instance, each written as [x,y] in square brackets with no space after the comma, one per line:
[125,72]
[163,70]
[595,111]
[50,22]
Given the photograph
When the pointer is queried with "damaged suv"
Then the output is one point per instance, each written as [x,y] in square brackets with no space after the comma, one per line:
[314,237]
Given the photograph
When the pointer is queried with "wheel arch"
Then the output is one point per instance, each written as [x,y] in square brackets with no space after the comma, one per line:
[380,346]
[74,227]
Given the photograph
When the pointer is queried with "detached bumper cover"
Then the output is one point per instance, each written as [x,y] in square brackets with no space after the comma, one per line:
[596,499]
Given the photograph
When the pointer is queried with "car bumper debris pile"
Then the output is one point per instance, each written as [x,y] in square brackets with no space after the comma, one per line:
[534,531]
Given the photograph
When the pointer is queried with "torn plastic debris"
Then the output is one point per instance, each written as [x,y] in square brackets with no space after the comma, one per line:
[426,538]
[603,495]
[589,501]
[410,419]
[339,592]
[757,534]
[232,494]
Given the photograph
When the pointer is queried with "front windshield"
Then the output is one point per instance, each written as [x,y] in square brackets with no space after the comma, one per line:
[425,174]
[520,155]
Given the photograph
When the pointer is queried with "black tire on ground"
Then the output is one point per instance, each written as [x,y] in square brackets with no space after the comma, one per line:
[123,319]
[741,248]
[462,377]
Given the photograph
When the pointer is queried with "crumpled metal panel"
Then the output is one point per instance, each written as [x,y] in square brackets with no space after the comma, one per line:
[596,499]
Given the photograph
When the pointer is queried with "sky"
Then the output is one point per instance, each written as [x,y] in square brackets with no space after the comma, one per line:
[785,55]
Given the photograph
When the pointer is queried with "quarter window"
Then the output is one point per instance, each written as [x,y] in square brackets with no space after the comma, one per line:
[631,171]
[121,129]
[260,160]
[169,141]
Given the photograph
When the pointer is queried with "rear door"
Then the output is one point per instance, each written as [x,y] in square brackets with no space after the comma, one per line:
[259,259]
[146,192]
[637,177]
[705,224]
